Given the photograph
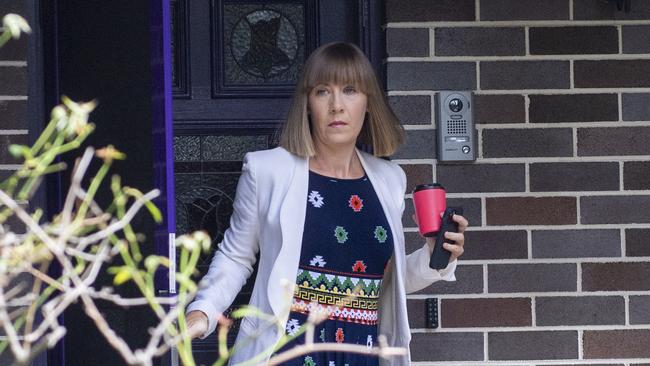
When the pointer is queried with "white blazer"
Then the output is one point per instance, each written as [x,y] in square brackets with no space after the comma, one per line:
[268,217]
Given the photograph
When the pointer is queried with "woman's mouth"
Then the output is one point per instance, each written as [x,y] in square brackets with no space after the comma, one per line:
[337,124]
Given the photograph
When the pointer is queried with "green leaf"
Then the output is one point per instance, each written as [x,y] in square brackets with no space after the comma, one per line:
[155,212]
[19,151]
[80,267]
[152,262]
[113,270]
[186,281]
[16,25]
[151,207]
[122,276]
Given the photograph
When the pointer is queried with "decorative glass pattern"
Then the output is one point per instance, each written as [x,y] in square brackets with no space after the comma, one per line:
[263,43]
[200,206]
[217,148]
[187,148]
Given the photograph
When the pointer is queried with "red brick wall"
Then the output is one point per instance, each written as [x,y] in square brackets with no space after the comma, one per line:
[557,263]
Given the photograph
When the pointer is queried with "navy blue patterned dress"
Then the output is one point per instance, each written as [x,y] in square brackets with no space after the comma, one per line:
[346,246]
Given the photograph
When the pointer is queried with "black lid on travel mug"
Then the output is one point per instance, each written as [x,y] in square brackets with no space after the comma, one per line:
[421,187]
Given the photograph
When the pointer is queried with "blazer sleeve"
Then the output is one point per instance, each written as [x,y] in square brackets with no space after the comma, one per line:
[418,273]
[233,262]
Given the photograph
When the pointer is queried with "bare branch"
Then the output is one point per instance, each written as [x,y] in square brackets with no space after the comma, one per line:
[45,278]
[79,172]
[118,225]
[113,338]
[105,294]
[10,331]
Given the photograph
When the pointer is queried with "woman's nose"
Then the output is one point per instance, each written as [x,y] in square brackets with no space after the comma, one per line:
[336,104]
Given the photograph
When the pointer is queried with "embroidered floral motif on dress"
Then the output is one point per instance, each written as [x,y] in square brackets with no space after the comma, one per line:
[318,261]
[292,326]
[309,361]
[340,234]
[339,335]
[381,234]
[359,266]
[355,203]
[316,199]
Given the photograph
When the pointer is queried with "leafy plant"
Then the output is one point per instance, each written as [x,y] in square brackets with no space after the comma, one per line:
[81,239]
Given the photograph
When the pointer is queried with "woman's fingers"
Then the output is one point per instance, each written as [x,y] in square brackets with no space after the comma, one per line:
[462,222]
[456,251]
[459,238]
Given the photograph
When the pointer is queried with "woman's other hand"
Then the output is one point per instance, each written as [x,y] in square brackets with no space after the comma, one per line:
[459,237]
[197,323]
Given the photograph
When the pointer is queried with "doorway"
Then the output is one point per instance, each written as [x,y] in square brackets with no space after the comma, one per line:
[235,65]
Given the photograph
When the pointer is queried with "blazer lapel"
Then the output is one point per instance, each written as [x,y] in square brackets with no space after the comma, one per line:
[393,215]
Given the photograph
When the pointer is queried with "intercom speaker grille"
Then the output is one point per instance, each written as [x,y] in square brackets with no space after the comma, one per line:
[456,127]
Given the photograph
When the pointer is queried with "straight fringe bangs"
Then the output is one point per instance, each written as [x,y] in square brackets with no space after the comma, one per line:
[341,63]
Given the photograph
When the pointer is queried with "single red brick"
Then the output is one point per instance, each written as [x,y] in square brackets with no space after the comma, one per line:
[508,312]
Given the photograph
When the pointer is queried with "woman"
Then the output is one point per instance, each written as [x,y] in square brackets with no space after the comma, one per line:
[326,220]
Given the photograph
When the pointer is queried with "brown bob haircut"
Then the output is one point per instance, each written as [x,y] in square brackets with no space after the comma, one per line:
[341,63]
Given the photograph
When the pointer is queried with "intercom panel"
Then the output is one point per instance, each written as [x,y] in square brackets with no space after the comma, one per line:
[456,135]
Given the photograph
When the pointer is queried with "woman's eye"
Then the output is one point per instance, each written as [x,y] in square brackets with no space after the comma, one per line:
[321,91]
[349,90]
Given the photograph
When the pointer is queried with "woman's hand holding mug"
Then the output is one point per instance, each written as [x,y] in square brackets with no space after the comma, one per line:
[459,237]
[428,200]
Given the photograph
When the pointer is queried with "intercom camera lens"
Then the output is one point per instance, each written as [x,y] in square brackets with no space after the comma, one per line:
[455,105]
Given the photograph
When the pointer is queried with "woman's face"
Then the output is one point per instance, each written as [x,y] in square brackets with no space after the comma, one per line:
[337,112]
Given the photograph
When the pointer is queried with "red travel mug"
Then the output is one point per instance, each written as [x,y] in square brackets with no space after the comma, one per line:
[430,201]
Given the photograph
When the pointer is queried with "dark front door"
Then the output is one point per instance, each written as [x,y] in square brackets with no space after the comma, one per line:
[109,51]
[235,64]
